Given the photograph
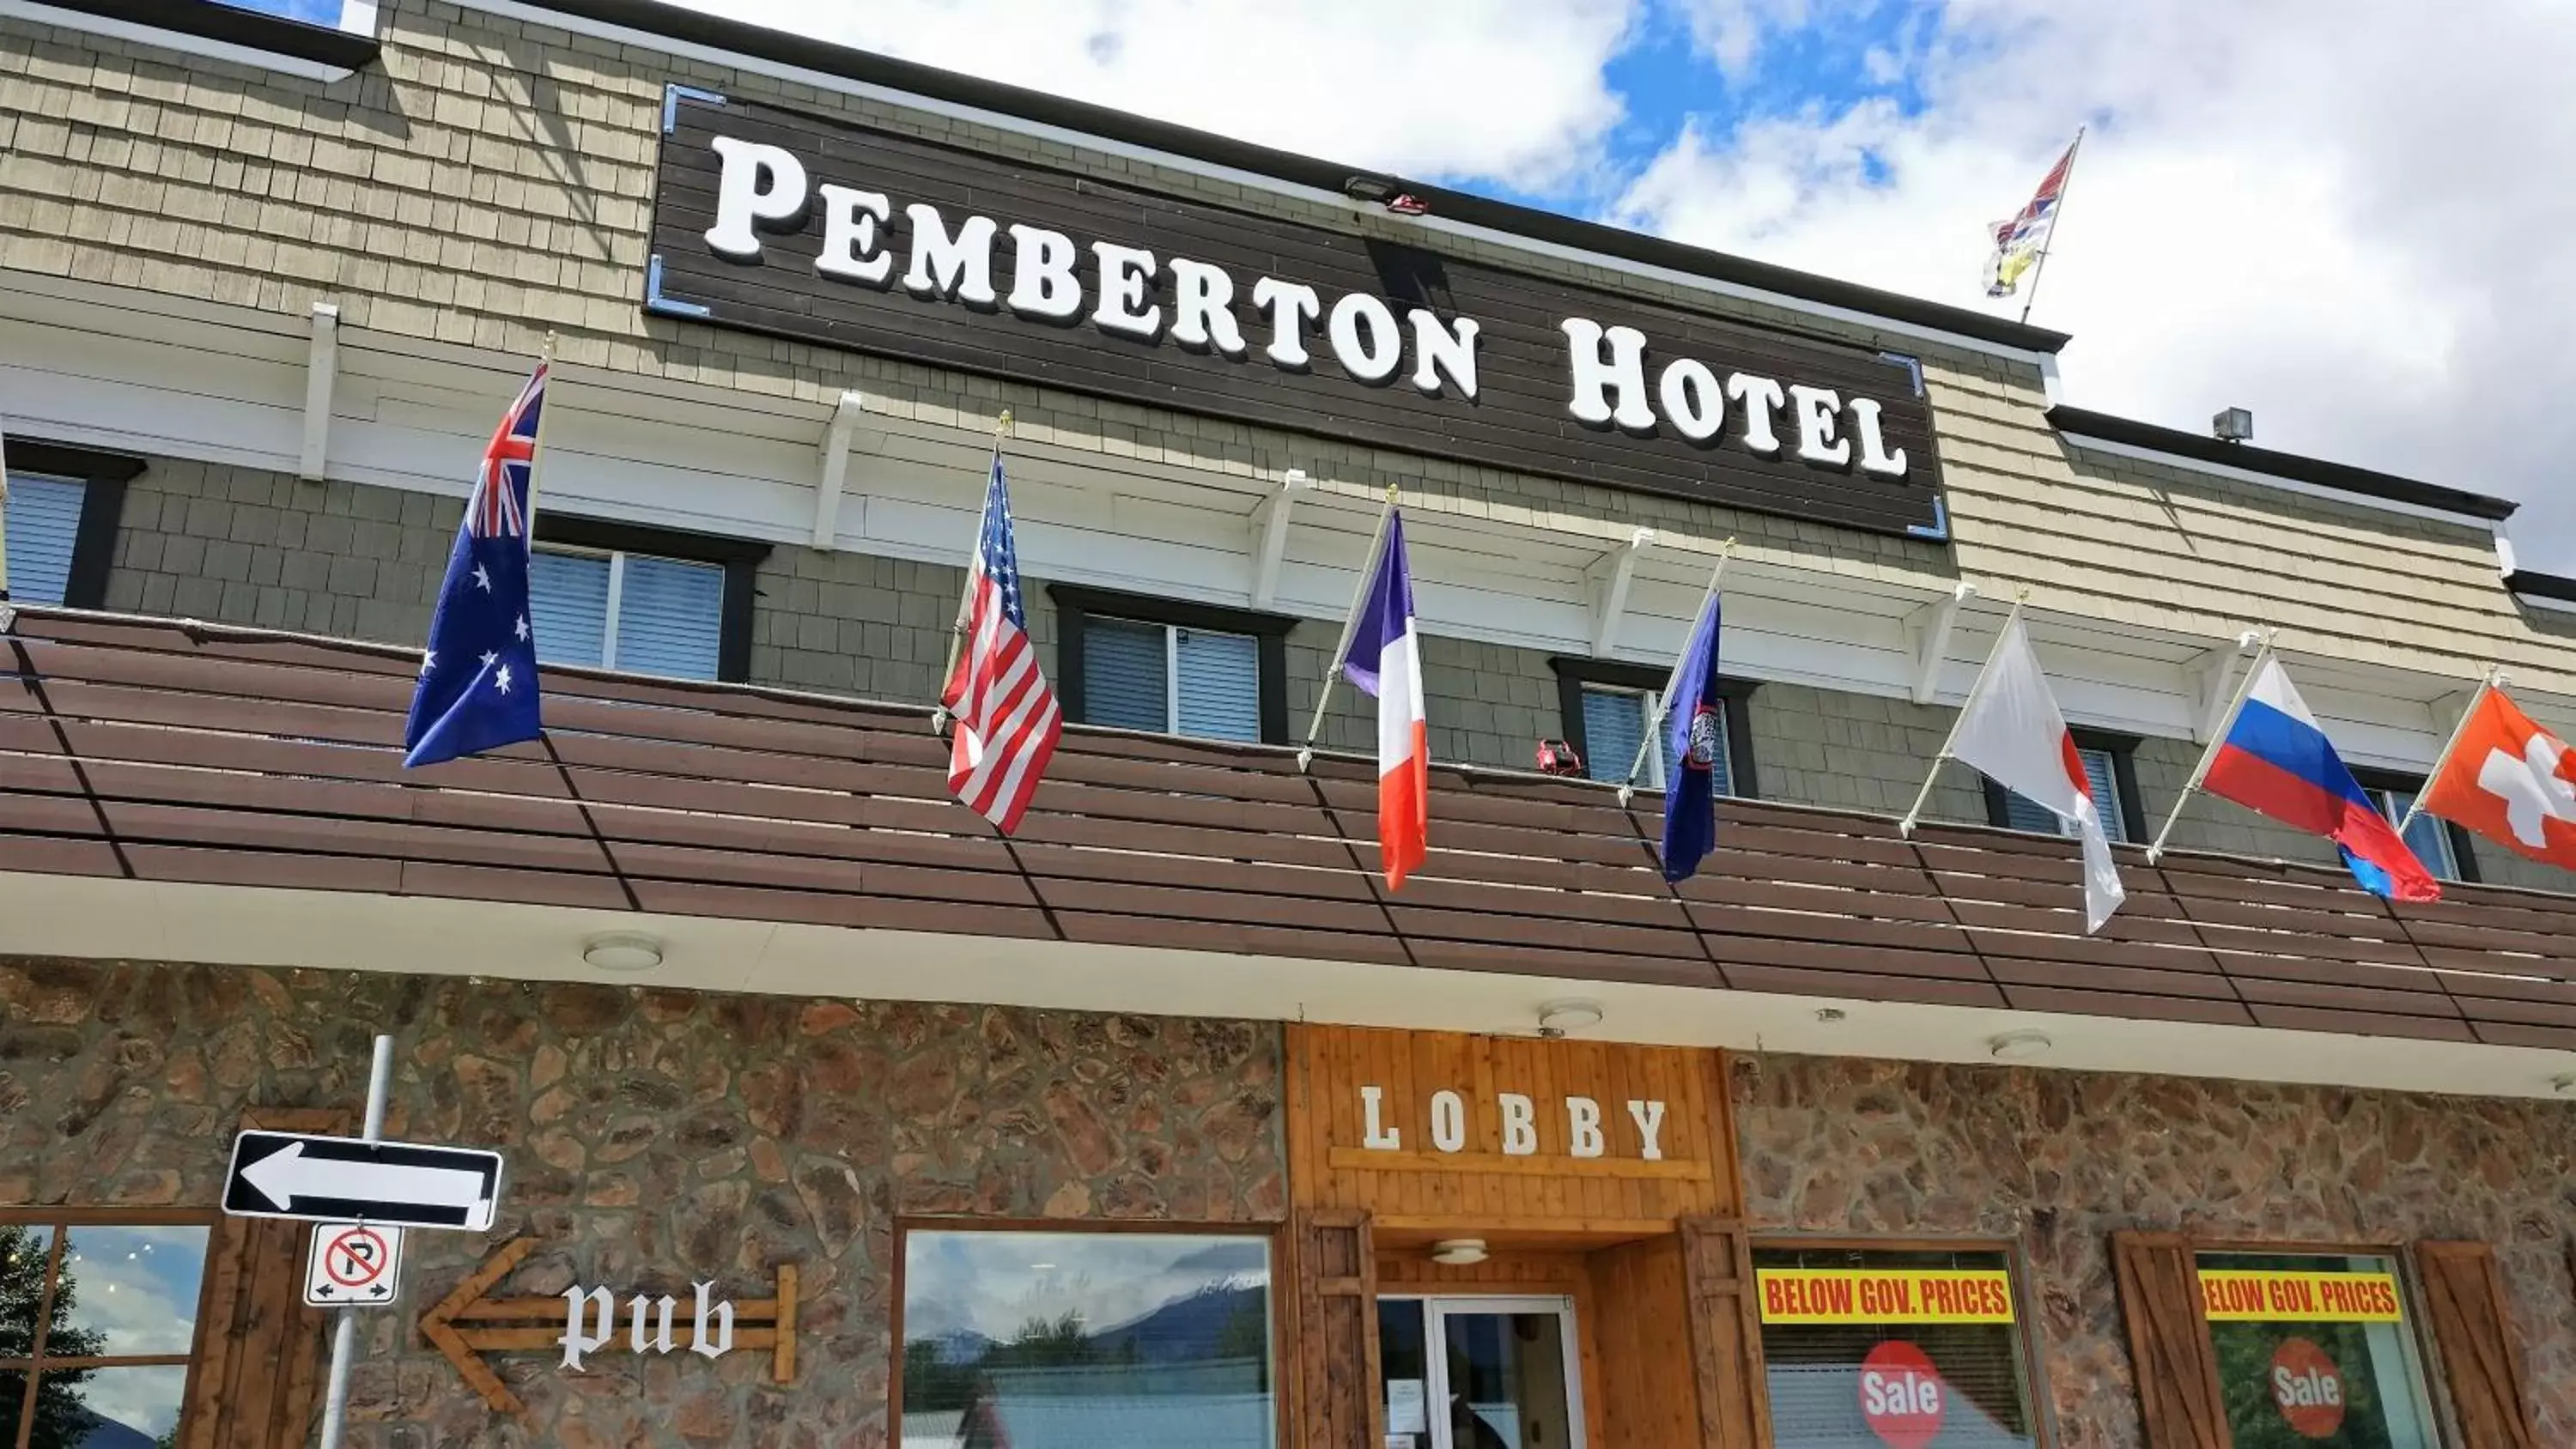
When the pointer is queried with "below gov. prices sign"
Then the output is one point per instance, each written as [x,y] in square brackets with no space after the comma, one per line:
[1886,1295]
[2242,1296]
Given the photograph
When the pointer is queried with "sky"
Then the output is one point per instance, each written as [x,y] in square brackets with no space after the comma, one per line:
[2350,216]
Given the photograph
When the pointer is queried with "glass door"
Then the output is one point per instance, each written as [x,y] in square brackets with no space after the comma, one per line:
[1479,1373]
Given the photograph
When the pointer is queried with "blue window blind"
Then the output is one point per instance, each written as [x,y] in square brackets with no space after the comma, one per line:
[1219,677]
[1126,679]
[2021,813]
[670,617]
[1615,719]
[2428,837]
[43,523]
[568,607]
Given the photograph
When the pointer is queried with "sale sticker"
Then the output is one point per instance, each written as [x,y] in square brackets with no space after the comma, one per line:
[2238,1296]
[1902,1398]
[1877,1295]
[2307,1388]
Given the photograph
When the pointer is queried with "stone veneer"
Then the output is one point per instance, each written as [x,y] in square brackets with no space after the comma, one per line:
[2057,1161]
[653,1137]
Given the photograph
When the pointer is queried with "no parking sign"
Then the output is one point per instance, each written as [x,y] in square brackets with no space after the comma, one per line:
[352,1265]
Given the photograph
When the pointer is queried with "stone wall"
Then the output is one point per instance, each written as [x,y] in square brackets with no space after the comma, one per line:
[653,1137]
[2057,1161]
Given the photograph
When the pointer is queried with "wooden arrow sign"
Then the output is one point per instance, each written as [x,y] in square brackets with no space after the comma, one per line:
[466,1325]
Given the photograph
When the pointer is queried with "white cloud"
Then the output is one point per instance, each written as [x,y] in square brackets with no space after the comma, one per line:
[2347,215]
[1493,89]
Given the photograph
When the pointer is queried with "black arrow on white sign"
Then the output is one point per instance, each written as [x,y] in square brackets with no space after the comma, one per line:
[292,1175]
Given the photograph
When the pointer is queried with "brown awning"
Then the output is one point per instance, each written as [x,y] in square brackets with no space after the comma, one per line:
[168,752]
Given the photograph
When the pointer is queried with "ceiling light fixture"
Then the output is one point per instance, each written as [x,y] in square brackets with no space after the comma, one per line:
[1831,1014]
[2019,1046]
[1556,1018]
[1458,1252]
[622,951]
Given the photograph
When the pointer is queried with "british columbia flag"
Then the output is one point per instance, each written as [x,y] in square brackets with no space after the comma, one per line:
[1008,721]
[478,677]
[2020,240]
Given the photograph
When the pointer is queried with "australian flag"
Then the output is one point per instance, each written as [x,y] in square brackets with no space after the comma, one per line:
[478,677]
[1694,726]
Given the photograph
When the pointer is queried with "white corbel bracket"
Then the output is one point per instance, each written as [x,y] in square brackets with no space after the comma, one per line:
[1927,630]
[2212,673]
[836,470]
[321,371]
[1606,582]
[1270,535]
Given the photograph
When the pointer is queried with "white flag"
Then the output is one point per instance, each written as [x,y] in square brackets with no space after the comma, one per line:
[2013,733]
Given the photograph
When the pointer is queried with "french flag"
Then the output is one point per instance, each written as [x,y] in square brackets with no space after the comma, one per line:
[1385,660]
[2275,760]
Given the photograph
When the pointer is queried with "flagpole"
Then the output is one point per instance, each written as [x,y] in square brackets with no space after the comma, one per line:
[4,511]
[2040,268]
[1985,671]
[537,445]
[1350,624]
[2217,740]
[1664,701]
[966,592]
[2494,680]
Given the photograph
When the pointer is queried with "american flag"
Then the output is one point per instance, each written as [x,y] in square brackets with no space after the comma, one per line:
[1007,718]
[478,677]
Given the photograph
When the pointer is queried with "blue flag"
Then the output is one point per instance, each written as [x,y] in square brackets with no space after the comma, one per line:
[1694,734]
[478,677]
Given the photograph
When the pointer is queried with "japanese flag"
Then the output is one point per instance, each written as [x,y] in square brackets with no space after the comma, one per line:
[2012,733]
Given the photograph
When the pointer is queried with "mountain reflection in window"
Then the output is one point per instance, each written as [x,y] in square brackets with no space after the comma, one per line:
[1086,1341]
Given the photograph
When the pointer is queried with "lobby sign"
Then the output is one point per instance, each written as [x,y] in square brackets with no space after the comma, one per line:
[2247,1296]
[1885,1295]
[851,237]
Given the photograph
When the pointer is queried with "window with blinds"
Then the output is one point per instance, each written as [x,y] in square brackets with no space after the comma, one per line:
[2428,837]
[1166,679]
[43,521]
[2021,813]
[635,612]
[1859,1382]
[1615,719]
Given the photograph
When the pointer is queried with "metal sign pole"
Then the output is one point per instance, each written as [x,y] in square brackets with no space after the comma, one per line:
[344,1334]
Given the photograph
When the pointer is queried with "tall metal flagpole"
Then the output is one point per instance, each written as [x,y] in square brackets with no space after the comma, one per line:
[537,445]
[966,593]
[1985,672]
[1664,701]
[4,510]
[2495,680]
[1350,625]
[2039,268]
[2217,738]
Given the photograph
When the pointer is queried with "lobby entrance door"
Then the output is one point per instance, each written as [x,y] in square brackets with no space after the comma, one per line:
[1477,1372]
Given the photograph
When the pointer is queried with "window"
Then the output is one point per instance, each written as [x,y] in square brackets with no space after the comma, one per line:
[1136,663]
[318,39]
[1864,1348]
[2109,770]
[641,600]
[97,1325]
[61,518]
[1607,706]
[1075,1340]
[2314,1349]
[2442,847]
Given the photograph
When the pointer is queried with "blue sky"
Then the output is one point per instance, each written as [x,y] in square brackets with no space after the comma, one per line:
[317,12]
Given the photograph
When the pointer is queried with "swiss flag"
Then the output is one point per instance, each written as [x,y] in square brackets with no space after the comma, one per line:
[2509,780]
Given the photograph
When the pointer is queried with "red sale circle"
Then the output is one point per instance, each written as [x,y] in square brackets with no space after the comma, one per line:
[2307,1388]
[1902,1398]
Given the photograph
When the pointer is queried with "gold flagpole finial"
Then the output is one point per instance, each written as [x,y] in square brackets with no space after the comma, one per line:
[2022,594]
[1727,549]
[1394,495]
[1002,424]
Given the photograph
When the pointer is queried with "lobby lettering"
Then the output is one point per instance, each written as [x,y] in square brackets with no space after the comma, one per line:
[1518,1132]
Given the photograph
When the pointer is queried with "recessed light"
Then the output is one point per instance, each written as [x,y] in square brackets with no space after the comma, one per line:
[622,951]
[2019,1046]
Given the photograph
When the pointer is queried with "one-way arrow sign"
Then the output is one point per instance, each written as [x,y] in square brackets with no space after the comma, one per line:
[291,1175]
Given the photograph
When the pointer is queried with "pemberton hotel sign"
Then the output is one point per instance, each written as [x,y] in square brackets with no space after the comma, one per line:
[812,229]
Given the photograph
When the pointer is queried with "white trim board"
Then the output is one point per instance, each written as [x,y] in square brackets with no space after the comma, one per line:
[1038,130]
[106,919]
[2180,463]
[153,35]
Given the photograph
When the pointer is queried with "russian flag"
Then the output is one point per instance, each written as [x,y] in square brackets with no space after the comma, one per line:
[1385,659]
[2275,760]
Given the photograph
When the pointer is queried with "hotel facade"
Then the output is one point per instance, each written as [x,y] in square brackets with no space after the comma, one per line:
[831,1117]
